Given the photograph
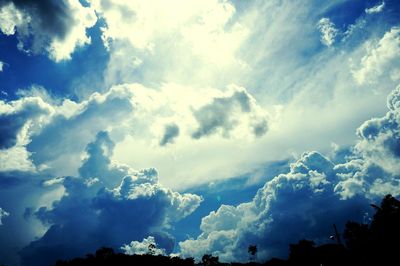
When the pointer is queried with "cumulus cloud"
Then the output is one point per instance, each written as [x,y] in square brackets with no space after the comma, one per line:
[375,9]
[97,162]
[54,27]
[304,202]
[380,57]
[171,131]
[65,138]
[223,114]
[146,246]
[3,214]
[91,214]
[292,206]
[380,137]
[328,31]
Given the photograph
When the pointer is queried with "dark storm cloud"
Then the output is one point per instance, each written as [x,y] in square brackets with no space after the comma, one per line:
[260,128]
[171,131]
[10,125]
[12,121]
[222,115]
[52,16]
[93,213]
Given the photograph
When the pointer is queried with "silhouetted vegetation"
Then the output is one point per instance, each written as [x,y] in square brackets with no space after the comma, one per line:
[252,250]
[377,243]
[107,257]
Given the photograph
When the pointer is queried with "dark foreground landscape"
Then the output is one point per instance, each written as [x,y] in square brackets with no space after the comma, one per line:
[376,243]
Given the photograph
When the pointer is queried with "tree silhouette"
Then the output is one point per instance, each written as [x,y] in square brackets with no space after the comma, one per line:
[104,253]
[209,260]
[252,250]
[303,252]
[378,243]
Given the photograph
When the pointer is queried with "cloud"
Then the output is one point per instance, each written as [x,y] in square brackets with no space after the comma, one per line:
[21,193]
[328,31]
[179,42]
[223,114]
[91,214]
[269,47]
[3,214]
[170,133]
[307,200]
[380,137]
[64,138]
[147,246]
[53,27]
[16,158]
[1,66]
[375,9]
[128,112]
[16,115]
[299,204]
[381,56]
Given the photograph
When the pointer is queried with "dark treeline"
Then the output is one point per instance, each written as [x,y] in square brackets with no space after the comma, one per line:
[377,243]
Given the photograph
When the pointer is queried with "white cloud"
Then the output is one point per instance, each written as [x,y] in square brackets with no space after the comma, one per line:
[375,9]
[1,66]
[328,31]
[380,56]
[56,28]
[11,19]
[380,137]
[3,214]
[146,246]
[83,18]
[16,159]
[171,40]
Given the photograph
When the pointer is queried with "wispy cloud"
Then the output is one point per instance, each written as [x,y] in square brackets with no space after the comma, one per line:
[3,214]
[328,31]
[375,9]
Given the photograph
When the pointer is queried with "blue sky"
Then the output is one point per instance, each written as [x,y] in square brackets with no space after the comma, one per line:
[201,126]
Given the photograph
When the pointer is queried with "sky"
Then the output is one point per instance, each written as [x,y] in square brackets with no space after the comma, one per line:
[198,126]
